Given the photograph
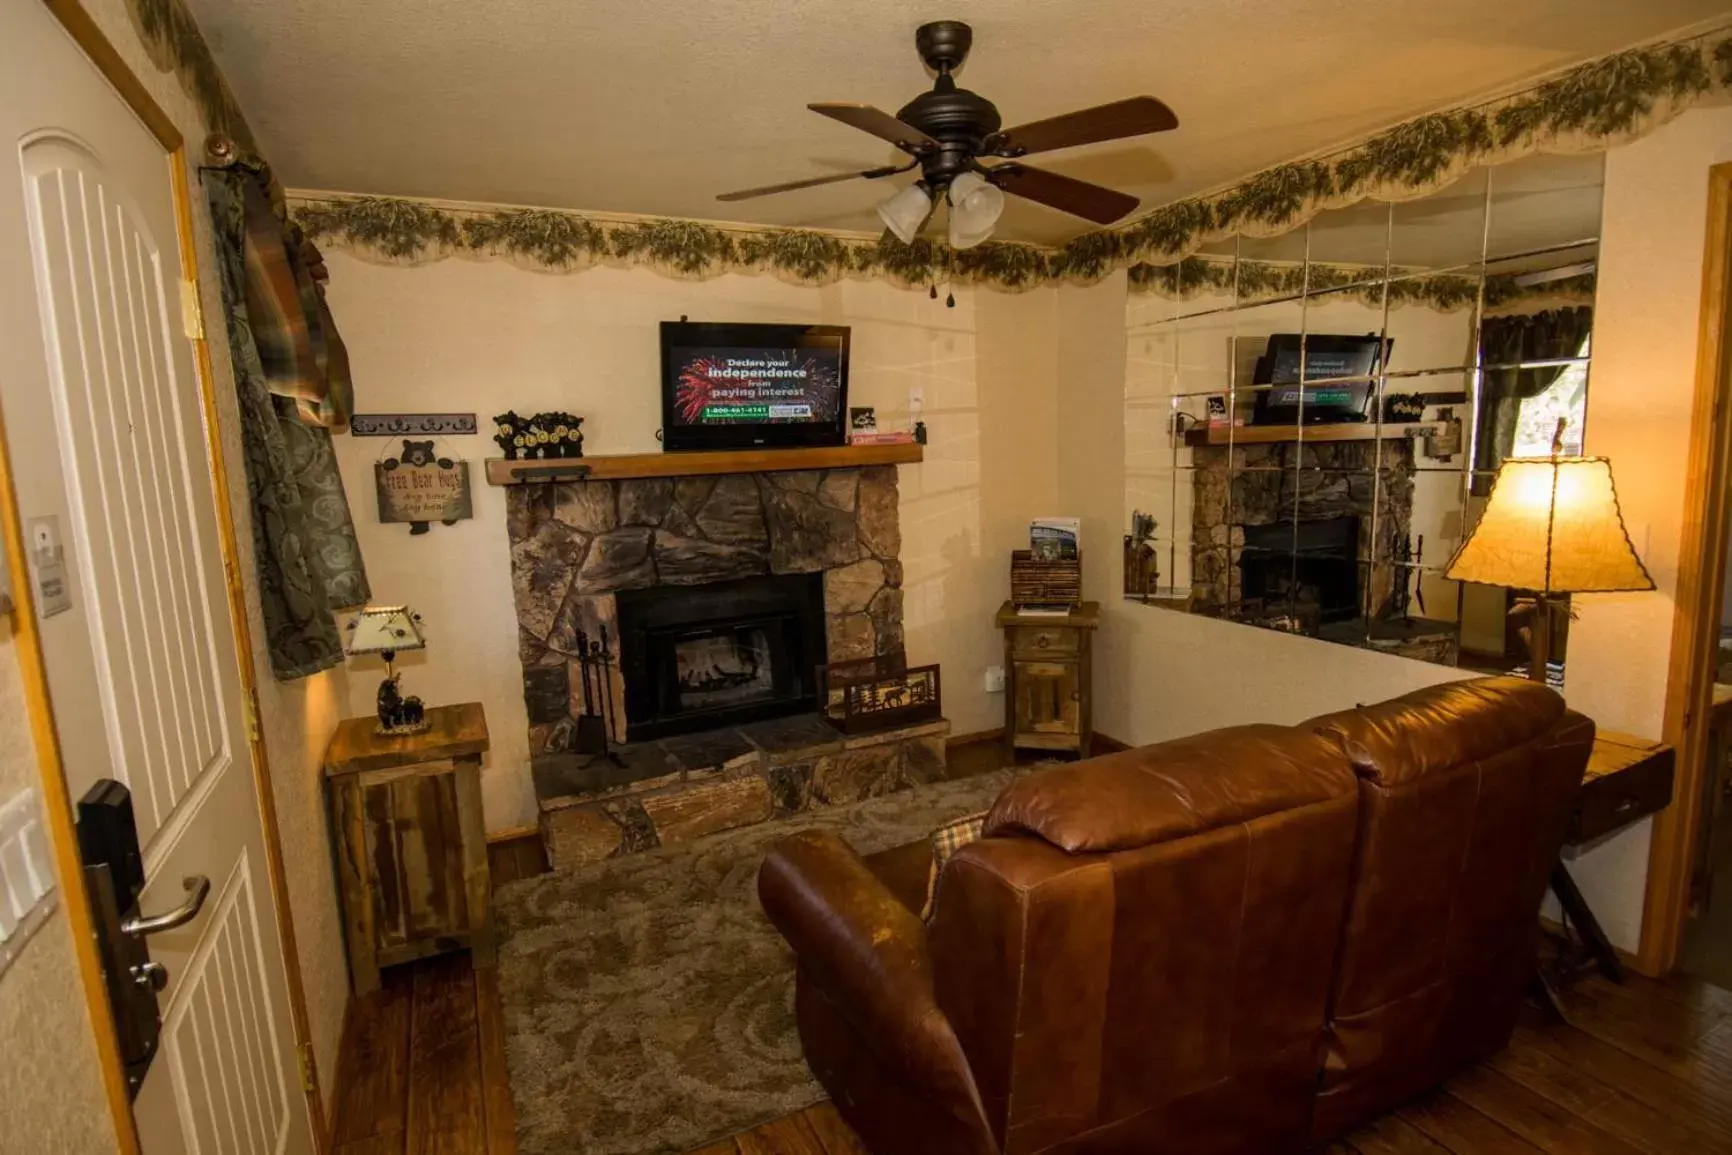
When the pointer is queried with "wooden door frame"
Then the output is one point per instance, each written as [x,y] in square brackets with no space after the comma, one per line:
[57,803]
[1701,576]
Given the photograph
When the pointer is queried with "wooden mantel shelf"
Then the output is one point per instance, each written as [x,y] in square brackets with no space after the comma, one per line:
[1272,434]
[694,464]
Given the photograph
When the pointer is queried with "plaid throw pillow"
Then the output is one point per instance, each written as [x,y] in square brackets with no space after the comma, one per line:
[946,841]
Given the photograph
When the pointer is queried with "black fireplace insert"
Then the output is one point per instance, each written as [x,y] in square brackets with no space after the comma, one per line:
[1305,570]
[722,654]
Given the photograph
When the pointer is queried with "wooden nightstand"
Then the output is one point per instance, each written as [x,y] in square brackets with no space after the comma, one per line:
[411,845]
[1048,698]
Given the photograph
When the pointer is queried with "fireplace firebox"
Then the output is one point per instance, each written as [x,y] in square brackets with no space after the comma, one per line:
[721,654]
[1307,569]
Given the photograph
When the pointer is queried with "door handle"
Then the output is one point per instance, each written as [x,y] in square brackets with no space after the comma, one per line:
[197,889]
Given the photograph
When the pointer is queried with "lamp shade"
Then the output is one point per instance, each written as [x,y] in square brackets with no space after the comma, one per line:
[906,212]
[378,629]
[1552,525]
[975,206]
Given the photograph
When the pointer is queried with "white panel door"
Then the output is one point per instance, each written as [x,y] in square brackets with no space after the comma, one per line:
[105,431]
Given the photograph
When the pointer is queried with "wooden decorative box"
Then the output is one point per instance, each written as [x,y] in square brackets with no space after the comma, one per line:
[411,843]
[1039,582]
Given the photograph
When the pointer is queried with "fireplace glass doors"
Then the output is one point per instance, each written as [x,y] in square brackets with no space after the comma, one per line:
[721,654]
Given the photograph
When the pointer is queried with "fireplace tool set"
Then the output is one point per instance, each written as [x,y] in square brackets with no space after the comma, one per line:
[595,726]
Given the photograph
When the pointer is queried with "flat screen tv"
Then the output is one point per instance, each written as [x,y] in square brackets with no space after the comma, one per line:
[1328,357]
[740,386]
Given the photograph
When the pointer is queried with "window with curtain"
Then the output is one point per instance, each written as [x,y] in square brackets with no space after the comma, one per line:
[1518,398]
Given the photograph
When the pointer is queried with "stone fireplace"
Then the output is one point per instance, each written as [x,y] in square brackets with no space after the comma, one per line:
[576,546]
[719,598]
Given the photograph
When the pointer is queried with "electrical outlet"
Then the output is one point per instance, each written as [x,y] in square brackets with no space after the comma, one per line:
[995,679]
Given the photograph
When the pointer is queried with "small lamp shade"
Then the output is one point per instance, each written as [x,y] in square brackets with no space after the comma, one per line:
[1552,525]
[905,213]
[382,629]
[975,206]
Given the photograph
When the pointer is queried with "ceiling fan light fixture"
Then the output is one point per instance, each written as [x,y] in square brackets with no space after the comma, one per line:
[905,213]
[975,206]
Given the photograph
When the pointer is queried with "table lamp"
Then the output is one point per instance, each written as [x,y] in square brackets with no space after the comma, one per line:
[1552,527]
[387,631]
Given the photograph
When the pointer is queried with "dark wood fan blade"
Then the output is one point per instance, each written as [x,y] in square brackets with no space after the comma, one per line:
[879,123]
[810,182]
[1122,118]
[1092,202]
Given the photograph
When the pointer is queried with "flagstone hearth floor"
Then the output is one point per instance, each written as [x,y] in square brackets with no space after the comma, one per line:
[671,791]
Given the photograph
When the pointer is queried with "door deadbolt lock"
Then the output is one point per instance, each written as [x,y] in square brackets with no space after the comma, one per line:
[150,976]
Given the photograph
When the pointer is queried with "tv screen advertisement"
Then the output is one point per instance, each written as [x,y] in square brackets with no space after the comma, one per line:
[1348,363]
[753,386]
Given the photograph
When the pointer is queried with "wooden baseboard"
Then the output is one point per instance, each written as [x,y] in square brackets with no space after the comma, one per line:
[513,833]
[955,740]
[1101,743]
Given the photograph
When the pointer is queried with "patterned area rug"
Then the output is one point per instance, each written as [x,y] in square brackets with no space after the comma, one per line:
[649,1002]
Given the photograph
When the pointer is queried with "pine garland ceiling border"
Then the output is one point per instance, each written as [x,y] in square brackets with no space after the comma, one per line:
[172,40]
[1259,282]
[1587,108]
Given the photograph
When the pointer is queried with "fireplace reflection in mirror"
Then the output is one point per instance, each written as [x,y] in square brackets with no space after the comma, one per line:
[1305,572]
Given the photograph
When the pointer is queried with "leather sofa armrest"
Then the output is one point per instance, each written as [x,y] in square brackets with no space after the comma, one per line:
[867,953]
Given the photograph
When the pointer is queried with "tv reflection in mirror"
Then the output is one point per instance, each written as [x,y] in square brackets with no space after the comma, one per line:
[1317,378]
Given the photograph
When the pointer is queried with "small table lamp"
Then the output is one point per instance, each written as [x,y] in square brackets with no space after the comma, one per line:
[386,631]
[1552,526]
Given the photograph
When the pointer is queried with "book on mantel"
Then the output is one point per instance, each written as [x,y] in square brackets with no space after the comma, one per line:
[899,438]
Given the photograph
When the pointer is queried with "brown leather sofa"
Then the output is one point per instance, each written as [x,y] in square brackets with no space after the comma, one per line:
[1251,940]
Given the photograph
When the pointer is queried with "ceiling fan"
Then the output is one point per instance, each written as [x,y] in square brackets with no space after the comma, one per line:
[949,131]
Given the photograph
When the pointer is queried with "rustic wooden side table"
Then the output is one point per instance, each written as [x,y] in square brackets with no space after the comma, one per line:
[1627,779]
[410,842]
[1048,699]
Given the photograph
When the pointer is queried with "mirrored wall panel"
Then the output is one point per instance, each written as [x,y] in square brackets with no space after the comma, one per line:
[1314,419]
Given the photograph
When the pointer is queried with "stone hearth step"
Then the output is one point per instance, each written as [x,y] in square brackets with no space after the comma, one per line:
[677,789]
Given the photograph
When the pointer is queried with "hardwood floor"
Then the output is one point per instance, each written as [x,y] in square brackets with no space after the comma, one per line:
[1641,1068]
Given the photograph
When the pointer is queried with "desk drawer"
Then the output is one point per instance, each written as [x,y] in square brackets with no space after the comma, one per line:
[1613,801]
[1044,641]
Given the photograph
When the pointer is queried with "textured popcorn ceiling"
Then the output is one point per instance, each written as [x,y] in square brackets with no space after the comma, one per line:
[621,105]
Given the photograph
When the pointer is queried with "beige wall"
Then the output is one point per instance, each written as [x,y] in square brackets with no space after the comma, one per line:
[1639,409]
[485,336]
[49,1097]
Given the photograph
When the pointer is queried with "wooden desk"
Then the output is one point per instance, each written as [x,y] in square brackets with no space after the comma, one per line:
[411,843]
[1627,779]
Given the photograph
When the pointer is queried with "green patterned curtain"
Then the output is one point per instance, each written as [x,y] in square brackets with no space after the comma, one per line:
[309,564]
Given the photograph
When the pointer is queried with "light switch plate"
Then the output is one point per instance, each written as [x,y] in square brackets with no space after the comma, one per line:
[27,889]
[995,679]
[48,576]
